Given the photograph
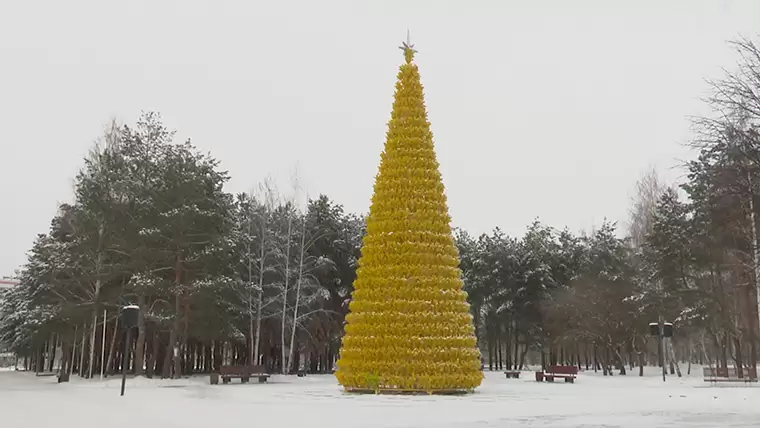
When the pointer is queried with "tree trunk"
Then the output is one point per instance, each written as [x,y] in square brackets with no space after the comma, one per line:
[172,351]
[183,338]
[65,358]
[285,297]
[673,360]
[476,321]
[522,357]
[691,356]
[508,346]
[754,314]
[260,300]
[171,359]
[489,333]
[497,349]
[51,353]
[516,342]
[154,345]
[93,335]
[585,355]
[140,345]
[251,321]
[112,347]
[96,299]
[298,294]
[724,350]
[103,345]
[621,362]
[73,352]
[543,357]
[218,358]
[81,354]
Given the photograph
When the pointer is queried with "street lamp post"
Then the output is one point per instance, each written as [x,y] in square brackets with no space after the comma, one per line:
[661,329]
[129,315]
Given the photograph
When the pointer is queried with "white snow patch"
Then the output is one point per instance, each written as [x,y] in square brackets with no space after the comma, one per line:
[317,401]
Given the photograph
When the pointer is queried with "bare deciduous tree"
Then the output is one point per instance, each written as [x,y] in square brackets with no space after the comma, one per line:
[647,192]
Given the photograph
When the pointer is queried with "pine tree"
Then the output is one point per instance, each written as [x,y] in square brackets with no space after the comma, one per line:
[409,326]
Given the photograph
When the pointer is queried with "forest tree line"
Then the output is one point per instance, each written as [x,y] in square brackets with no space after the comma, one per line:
[258,278]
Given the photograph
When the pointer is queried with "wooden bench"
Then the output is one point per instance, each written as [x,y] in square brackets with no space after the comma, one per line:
[512,374]
[728,374]
[569,373]
[244,373]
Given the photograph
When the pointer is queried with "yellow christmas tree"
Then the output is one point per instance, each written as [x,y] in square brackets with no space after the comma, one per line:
[409,327]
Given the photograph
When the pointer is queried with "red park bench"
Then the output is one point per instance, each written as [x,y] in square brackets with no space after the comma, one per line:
[569,373]
[244,373]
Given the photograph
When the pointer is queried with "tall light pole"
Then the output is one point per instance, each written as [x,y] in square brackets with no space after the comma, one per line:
[129,317]
[655,329]
[661,329]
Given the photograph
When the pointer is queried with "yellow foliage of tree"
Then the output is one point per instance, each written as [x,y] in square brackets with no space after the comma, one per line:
[409,327]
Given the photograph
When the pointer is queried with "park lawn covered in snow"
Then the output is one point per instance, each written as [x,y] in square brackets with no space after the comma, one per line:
[317,401]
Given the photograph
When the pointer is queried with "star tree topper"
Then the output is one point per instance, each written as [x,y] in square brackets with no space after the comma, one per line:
[408,48]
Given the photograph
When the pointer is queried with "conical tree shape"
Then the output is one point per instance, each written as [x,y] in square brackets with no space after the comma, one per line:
[409,326]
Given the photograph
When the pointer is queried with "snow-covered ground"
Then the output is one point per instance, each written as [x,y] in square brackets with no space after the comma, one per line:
[317,401]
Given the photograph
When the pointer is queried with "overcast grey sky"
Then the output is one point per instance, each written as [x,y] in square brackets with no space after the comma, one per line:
[547,109]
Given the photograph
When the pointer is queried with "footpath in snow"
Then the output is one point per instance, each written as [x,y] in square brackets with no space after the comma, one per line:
[317,401]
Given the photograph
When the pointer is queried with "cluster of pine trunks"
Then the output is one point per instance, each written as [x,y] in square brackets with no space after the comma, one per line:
[194,356]
[511,355]
[721,352]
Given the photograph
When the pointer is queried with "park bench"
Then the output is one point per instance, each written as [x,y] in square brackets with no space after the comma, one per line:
[512,374]
[244,373]
[727,374]
[569,373]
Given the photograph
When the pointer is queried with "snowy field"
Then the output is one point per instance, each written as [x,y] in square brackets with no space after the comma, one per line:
[317,401]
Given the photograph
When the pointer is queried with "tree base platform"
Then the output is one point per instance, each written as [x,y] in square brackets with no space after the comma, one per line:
[394,391]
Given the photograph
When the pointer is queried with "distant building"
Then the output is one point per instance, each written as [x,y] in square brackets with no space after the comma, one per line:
[6,283]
